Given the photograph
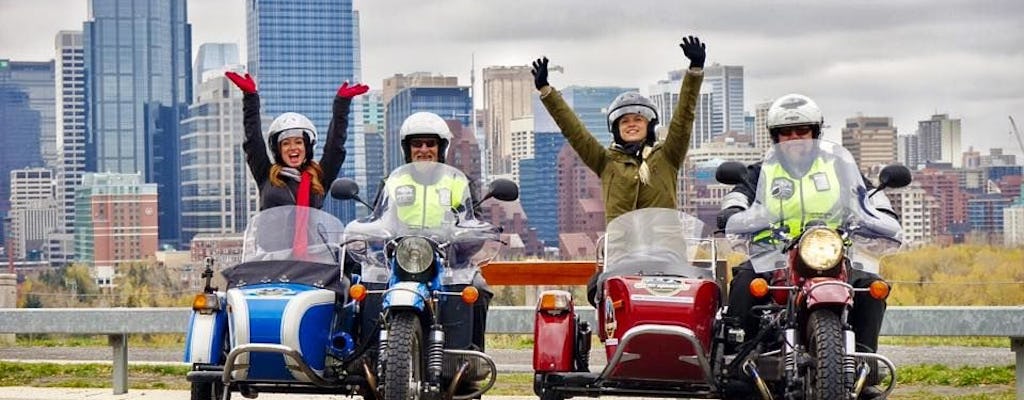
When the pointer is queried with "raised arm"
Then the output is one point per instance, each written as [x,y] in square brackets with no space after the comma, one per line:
[254,146]
[681,129]
[337,133]
[581,140]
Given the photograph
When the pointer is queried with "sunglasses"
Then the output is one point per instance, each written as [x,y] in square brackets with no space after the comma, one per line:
[417,143]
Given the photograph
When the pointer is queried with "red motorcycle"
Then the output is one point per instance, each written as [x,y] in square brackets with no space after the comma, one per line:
[659,314]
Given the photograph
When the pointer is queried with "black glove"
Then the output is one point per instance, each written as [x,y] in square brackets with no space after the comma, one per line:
[540,73]
[694,50]
[724,215]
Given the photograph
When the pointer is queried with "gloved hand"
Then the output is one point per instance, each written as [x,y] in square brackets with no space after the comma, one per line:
[694,50]
[540,73]
[352,91]
[724,215]
[246,84]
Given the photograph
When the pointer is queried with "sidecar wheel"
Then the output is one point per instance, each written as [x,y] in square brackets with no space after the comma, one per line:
[825,380]
[207,390]
[403,369]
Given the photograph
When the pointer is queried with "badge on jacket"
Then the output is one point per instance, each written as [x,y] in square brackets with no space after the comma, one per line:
[821,182]
[782,188]
[405,195]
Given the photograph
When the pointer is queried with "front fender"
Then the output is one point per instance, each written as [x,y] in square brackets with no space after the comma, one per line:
[826,292]
[406,294]
[205,337]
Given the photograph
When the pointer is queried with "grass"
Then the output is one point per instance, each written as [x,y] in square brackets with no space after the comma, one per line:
[964,341]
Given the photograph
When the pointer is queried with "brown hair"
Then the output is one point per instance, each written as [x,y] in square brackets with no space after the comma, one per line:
[314,171]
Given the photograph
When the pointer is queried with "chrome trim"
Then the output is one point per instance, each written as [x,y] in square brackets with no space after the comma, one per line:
[490,363]
[301,366]
[888,363]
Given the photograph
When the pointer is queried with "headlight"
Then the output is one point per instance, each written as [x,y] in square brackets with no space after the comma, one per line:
[414,254]
[821,248]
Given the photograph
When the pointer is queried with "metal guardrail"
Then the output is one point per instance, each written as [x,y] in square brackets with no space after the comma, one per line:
[118,323]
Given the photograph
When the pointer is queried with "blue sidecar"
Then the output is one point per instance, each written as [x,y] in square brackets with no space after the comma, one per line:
[285,323]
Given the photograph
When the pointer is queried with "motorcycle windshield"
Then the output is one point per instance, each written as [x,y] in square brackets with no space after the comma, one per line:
[812,181]
[425,199]
[289,244]
[653,241]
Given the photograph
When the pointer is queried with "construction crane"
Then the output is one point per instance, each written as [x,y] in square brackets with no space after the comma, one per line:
[1016,132]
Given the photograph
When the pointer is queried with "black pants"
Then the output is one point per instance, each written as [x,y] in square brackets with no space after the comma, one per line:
[865,316]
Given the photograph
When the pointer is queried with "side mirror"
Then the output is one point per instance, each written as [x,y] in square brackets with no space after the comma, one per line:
[346,189]
[733,173]
[502,189]
[893,176]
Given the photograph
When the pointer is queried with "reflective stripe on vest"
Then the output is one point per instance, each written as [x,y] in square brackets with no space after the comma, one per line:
[425,206]
[812,196]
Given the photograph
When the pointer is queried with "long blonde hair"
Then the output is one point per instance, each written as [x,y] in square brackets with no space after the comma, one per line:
[312,167]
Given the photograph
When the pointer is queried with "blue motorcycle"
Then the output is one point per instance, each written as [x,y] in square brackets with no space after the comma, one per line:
[285,322]
[420,252]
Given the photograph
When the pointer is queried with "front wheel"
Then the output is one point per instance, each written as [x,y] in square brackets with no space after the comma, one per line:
[826,379]
[403,366]
[207,390]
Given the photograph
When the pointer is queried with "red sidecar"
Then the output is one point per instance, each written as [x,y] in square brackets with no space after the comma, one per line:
[655,316]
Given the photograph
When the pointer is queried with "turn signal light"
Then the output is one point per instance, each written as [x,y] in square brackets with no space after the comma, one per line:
[205,302]
[759,287]
[357,292]
[554,301]
[470,294]
[879,290]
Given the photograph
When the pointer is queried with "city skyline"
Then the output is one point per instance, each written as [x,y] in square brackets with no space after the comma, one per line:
[844,56]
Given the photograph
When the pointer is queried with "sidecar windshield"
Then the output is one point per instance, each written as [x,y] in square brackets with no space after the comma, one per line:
[809,181]
[653,241]
[292,233]
[426,199]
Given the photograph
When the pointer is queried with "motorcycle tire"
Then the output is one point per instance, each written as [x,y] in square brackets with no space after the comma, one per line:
[825,380]
[403,366]
[207,390]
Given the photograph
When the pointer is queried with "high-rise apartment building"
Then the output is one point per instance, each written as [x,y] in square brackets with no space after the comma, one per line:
[138,84]
[521,135]
[1013,225]
[917,210]
[34,211]
[218,193]
[69,86]
[36,80]
[538,179]
[939,140]
[908,150]
[726,82]
[115,219]
[508,94]
[871,141]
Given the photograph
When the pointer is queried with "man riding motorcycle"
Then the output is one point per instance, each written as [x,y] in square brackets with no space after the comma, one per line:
[806,182]
[425,137]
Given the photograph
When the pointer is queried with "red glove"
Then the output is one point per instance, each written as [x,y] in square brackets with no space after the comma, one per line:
[352,91]
[246,84]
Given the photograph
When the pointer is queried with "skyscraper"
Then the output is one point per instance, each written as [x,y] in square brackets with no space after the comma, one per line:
[218,193]
[299,52]
[34,212]
[69,84]
[115,219]
[138,83]
[726,83]
[19,142]
[508,94]
[212,57]
[871,141]
[36,80]
[538,180]
[940,140]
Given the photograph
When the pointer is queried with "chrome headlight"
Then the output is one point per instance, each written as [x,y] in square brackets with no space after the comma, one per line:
[821,248]
[414,254]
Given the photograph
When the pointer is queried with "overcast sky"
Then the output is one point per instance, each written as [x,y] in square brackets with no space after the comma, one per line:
[905,59]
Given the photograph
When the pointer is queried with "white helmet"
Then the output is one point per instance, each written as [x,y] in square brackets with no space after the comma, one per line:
[290,125]
[793,110]
[632,103]
[425,124]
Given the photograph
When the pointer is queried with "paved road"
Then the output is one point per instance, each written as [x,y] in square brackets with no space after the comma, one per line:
[32,393]
[521,360]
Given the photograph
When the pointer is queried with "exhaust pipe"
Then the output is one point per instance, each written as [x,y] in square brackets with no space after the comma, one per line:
[371,380]
[762,387]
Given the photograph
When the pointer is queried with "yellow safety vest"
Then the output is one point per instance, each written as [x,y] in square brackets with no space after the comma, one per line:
[799,200]
[425,205]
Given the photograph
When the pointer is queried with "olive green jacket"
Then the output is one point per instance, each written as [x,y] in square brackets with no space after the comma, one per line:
[621,187]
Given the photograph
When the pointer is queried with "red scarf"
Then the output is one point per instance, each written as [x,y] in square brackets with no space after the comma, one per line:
[299,239]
